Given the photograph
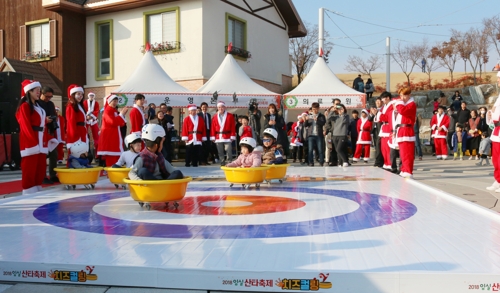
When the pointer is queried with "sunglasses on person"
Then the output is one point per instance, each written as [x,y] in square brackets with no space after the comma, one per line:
[266,140]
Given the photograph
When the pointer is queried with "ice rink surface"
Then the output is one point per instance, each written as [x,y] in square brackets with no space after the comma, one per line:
[323,229]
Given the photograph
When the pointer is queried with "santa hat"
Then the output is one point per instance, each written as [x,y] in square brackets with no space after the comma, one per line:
[57,108]
[221,103]
[365,111]
[28,85]
[191,107]
[73,88]
[299,116]
[305,113]
[91,93]
[111,98]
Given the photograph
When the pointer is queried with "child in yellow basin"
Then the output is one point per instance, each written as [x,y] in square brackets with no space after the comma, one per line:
[250,155]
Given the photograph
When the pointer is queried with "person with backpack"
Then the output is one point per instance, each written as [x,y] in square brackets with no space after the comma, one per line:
[369,89]
[358,84]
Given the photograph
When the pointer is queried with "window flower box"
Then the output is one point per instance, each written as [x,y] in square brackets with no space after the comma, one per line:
[242,53]
[37,56]
[162,48]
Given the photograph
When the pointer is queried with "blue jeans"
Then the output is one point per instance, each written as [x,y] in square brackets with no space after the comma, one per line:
[320,149]
[418,147]
[144,174]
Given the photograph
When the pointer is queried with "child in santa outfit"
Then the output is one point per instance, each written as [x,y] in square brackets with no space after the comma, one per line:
[250,154]
[494,120]
[91,107]
[32,120]
[76,129]
[137,120]
[384,116]
[404,130]
[193,133]
[79,156]
[245,129]
[111,148]
[133,142]
[223,132]
[297,139]
[60,135]
[150,164]
[439,125]
[364,141]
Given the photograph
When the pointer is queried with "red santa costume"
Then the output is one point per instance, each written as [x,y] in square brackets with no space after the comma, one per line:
[137,120]
[364,141]
[112,147]
[405,135]
[440,120]
[32,141]
[60,135]
[75,118]
[385,134]
[223,127]
[296,128]
[91,107]
[193,133]
[495,141]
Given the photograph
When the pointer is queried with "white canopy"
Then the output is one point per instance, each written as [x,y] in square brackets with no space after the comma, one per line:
[322,85]
[229,79]
[153,82]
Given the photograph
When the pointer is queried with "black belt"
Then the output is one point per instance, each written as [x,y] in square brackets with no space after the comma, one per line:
[223,132]
[404,125]
[37,128]
[384,123]
[189,132]
[497,124]
[80,123]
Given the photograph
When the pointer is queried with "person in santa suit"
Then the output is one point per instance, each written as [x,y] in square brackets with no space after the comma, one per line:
[33,144]
[394,154]
[193,133]
[493,119]
[223,132]
[404,130]
[297,141]
[60,135]
[111,148]
[385,133]
[137,120]
[364,138]
[91,107]
[76,129]
[439,125]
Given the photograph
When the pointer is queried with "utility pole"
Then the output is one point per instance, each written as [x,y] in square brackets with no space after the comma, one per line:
[321,26]
[388,65]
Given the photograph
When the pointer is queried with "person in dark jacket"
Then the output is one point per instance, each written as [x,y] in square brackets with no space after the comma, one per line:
[275,121]
[315,134]
[463,115]
[338,124]
[456,100]
[352,129]
[451,129]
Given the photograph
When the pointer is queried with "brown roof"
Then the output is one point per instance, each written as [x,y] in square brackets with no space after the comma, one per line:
[38,72]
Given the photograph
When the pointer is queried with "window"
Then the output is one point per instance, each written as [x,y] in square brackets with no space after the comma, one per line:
[236,33]
[104,49]
[161,30]
[37,41]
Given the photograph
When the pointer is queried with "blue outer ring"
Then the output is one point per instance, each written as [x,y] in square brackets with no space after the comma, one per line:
[77,214]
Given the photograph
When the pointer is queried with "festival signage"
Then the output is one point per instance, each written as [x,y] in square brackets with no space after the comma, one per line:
[350,101]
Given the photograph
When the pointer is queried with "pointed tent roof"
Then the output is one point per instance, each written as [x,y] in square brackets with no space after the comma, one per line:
[322,80]
[230,78]
[321,85]
[149,77]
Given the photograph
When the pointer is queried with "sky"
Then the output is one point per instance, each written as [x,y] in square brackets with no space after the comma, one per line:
[366,24]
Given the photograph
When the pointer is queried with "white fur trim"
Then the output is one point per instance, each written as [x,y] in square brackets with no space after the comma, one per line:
[192,108]
[498,74]
[406,138]
[31,86]
[221,104]
[76,90]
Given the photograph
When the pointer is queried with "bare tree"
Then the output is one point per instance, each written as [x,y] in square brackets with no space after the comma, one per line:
[492,30]
[431,61]
[407,57]
[357,64]
[463,46]
[303,50]
[473,47]
[447,55]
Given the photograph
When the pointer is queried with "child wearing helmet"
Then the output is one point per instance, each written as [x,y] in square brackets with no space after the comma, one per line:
[133,142]
[78,156]
[250,154]
[150,163]
[273,152]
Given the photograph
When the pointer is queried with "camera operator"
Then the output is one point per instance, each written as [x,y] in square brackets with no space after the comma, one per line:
[254,117]
[51,127]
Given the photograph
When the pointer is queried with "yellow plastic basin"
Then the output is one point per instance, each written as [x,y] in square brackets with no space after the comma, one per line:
[157,190]
[116,175]
[276,171]
[245,175]
[83,176]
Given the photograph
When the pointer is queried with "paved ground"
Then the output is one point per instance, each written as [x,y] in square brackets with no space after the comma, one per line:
[461,178]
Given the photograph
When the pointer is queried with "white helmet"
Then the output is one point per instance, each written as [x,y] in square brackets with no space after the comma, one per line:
[249,141]
[78,148]
[152,131]
[131,137]
[272,132]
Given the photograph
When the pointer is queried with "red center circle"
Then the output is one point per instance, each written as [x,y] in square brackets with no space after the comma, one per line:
[197,205]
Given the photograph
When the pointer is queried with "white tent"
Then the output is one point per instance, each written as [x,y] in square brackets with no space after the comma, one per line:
[322,85]
[153,82]
[230,79]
